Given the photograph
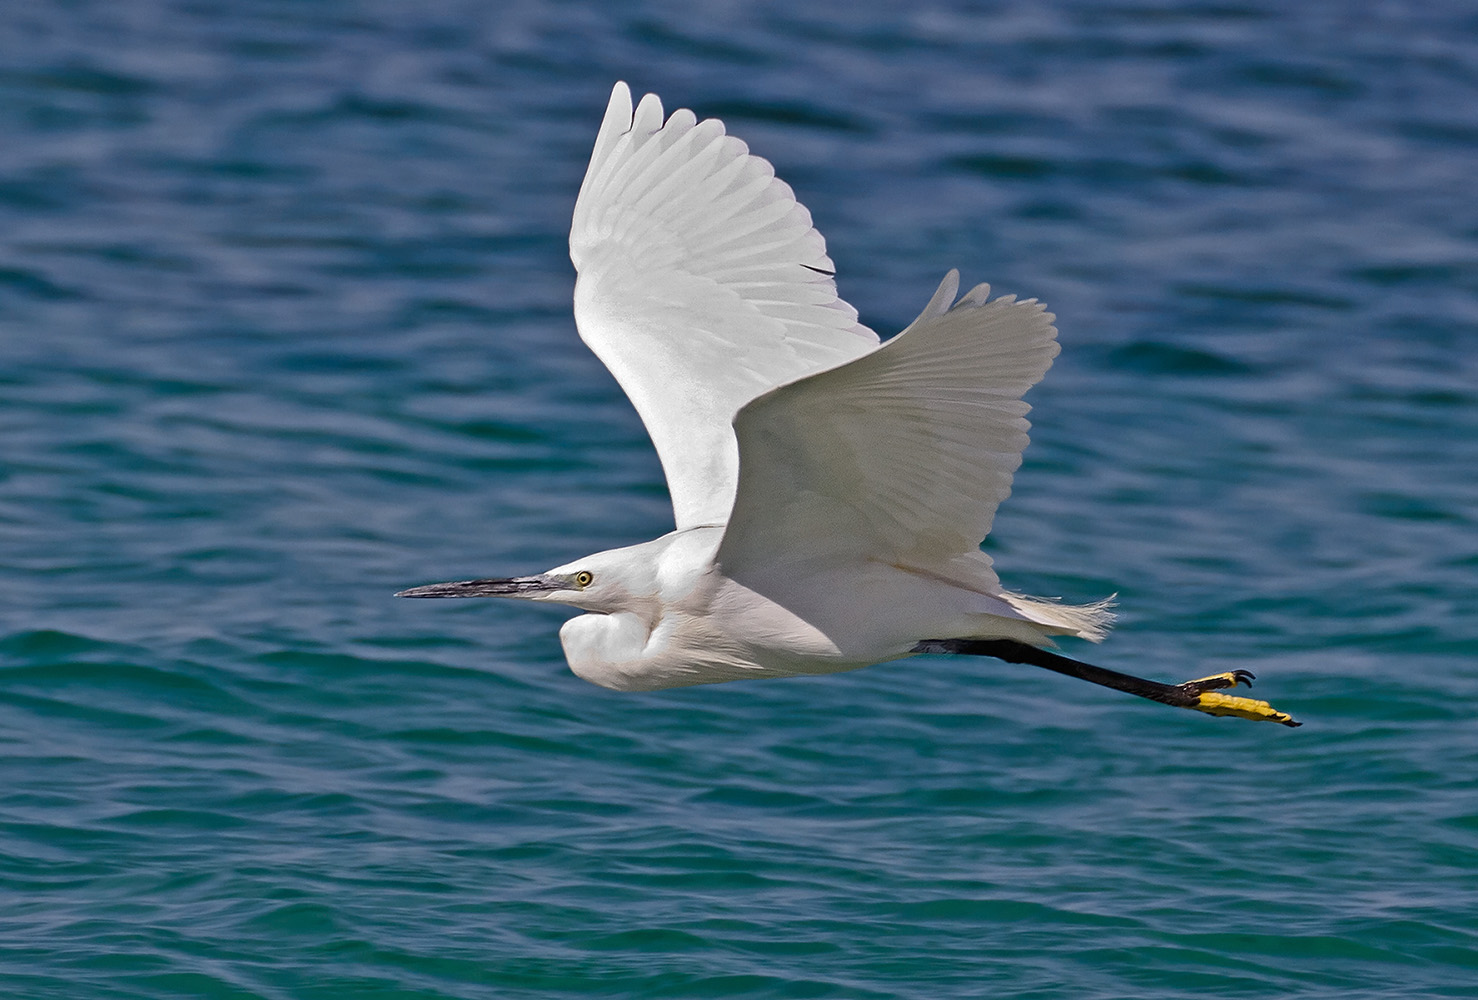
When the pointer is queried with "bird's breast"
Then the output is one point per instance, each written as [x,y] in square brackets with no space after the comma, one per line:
[606,649]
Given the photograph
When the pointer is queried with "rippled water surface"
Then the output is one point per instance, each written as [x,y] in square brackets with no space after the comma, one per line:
[285,327]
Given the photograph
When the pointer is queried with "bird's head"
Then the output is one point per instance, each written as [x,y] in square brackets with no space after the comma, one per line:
[606,582]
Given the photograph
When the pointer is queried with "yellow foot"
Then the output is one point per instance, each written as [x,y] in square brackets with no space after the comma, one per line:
[1208,701]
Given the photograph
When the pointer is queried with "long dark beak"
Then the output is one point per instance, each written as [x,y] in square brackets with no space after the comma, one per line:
[518,586]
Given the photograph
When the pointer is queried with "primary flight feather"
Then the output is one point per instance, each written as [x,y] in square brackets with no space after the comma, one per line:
[830,493]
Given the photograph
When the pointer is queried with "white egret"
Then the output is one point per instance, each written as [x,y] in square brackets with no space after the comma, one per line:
[830,491]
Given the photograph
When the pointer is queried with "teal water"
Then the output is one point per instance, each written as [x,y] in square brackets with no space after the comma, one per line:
[285,327]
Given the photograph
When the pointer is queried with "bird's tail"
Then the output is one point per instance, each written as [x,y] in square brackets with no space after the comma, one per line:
[1086,621]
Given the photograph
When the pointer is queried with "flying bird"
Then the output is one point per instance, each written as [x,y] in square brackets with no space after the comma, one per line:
[830,490]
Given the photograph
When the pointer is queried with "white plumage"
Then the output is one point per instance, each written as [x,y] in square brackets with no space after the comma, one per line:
[702,284]
[830,493]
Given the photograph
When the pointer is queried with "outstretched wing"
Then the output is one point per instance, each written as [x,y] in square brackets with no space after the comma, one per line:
[902,455]
[702,284]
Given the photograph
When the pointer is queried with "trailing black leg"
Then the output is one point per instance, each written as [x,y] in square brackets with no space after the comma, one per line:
[1198,695]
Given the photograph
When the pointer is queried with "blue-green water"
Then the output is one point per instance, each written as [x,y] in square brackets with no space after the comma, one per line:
[285,327]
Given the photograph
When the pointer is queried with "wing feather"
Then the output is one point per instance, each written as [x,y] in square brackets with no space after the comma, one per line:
[702,284]
[903,454]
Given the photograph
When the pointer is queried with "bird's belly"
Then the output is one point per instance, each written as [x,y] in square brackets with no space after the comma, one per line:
[764,640]
[868,611]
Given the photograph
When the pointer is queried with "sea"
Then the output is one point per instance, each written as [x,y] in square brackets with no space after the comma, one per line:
[285,327]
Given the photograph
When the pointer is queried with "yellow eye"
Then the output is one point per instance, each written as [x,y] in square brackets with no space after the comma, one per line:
[584,578]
